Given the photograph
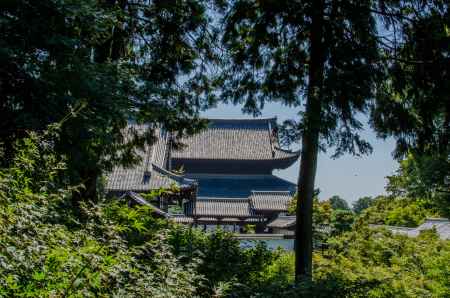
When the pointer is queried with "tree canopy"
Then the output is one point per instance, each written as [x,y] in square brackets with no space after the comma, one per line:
[338,203]
[103,63]
[298,53]
[424,177]
[333,60]
[412,104]
[362,203]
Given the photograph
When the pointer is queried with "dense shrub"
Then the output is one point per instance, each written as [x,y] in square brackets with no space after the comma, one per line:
[47,251]
[398,211]
[362,204]
[386,265]
[368,263]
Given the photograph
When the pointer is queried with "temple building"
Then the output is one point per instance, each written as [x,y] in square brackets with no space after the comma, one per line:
[227,173]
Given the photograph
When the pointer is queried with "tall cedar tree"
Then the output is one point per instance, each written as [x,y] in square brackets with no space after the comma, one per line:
[108,60]
[324,52]
[414,104]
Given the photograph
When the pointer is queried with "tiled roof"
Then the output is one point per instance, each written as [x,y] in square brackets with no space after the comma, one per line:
[442,226]
[182,219]
[215,207]
[270,200]
[283,222]
[280,153]
[121,180]
[249,138]
[160,151]
[235,139]
[236,186]
[149,173]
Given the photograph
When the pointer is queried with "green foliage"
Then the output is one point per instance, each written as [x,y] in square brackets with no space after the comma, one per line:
[270,48]
[342,220]
[423,177]
[338,203]
[327,220]
[297,53]
[322,212]
[418,190]
[45,251]
[93,65]
[362,204]
[368,263]
[281,271]
[397,212]
[221,259]
[117,60]
[375,263]
[249,229]
[412,105]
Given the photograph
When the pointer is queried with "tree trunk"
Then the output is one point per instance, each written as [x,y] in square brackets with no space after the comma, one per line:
[115,47]
[310,148]
[112,49]
[89,192]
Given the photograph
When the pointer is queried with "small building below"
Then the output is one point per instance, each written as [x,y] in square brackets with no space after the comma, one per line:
[441,225]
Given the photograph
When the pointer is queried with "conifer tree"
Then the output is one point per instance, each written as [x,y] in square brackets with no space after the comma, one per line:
[319,57]
[413,105]
[109,60]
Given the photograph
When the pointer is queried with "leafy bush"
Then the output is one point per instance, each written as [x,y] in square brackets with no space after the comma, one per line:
[397,211]
[338,203]
[46,251]
[367,263]
[221,259]
[385,265]
[424,176]
[362,204]
[342,220]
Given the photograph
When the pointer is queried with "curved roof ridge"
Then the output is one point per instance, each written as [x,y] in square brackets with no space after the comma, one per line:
[287,156]
[141,201]
[287,150]
[237,140]
[282,221]
[172,175]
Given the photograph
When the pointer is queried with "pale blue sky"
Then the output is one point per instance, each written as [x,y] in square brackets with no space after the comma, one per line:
[348,176]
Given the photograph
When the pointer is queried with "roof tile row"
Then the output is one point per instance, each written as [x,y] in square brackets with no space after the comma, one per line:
[235,140]
[254,206]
